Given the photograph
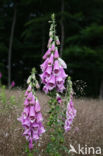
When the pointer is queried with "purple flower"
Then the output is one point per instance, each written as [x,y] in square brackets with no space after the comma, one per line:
[0,75]
[31,144]
[37,106]
[59,80]
[29,89]
[47,54]
[44,65]
[70,115]
[50,61]
[63,74]
[46,89]
[56,67]
[39,117]
[51,82]
[31,118]
[48,71]
[53,74]
[26,112]
[58,97]
[56,54]
[12,84]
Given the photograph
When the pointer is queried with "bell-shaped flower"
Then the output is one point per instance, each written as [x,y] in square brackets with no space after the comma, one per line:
[60,87]
[48,71]
[26,123]
[29,97]
[46,88]
[41,129]
[27,132]
[51,82]
[59,80]
[43,66]
[39,117]
[56,54]
[37,106]
[63,74]
[56,67]
[29,89]
[35,126]
[32,114]
[42,76]
[26,112]
[50,61]
[35,135]
[26,93]
[32,102]
[47,54]
[26,102]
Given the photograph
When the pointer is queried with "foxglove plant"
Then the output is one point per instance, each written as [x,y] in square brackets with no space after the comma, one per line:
[53,77]
[53,74]
[31,118]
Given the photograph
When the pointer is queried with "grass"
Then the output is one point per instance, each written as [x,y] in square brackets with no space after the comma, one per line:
[87,128]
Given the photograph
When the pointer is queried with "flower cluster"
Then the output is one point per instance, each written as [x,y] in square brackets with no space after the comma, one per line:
[70,114]
[31,117]
[53,74]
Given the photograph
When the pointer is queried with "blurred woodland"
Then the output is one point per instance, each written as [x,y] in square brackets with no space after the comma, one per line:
[24,32]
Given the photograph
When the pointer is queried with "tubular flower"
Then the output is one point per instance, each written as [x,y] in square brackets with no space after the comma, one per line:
[31,117]
[53,74]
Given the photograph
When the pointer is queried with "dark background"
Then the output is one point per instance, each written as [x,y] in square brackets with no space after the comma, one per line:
[79,26]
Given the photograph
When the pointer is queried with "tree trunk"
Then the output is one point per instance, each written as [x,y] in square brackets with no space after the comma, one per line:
[62,28]
[101,90]
[43,38]
[10,47]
